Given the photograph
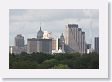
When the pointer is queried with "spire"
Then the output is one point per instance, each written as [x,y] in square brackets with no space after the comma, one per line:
[62,34]
[40,25]
[40,33]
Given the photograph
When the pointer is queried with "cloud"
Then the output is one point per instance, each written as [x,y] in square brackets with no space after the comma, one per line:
[51,14]
[27,21]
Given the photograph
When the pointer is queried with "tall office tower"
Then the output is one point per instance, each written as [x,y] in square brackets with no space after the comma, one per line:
[44,45]
[96,46]
[31,45]
[83,42]
[53,44]
[71,38]
[80,40]
[39,45]
[74,39]
[62,42]
[40,34]
[19,41]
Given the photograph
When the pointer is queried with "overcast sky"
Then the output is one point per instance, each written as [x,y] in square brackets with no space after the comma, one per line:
[27,22]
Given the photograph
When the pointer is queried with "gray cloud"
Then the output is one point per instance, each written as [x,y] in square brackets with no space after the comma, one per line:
[27,21]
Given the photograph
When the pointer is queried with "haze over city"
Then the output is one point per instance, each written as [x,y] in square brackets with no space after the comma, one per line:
[27,22]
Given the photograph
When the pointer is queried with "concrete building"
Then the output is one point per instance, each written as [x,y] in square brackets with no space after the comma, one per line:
[18,50]
[19,41]
[53,44]
[60,45]
[19,45]
[74,39]
[31,45]
[83,43]
[96,46]
[44,45]
[80,40]
[39,45]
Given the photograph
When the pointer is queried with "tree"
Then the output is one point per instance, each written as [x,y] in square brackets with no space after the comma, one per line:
[49,63]
[61,66]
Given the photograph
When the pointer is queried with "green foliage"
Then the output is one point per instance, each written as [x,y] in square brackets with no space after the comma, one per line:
[61,66]
[56,61]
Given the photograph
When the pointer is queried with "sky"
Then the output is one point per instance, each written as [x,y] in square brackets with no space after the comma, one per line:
[28,21]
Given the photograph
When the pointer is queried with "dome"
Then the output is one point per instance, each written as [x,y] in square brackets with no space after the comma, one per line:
[40,34]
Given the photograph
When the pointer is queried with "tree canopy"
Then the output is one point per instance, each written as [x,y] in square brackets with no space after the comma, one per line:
[56,61]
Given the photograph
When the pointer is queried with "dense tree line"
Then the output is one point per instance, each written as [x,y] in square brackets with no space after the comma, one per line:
[56,61]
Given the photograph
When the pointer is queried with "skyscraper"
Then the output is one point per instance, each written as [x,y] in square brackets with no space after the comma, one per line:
[19,41]
[39,44]
[53,44]
[44,45]
[83,43]
[96,46]
[31,45]
[74,39]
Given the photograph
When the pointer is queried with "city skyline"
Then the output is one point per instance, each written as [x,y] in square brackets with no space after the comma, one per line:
[27,22]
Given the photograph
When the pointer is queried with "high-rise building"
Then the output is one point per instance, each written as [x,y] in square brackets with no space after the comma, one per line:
[19,45]
[80,40]
[39,45]
[83,43]
[19,41]
[31,45]
[74,39]
[96,46]
[53,44]
[44,45]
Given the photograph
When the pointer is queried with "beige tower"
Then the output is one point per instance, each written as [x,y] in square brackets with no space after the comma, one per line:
[74,39]
[71,38]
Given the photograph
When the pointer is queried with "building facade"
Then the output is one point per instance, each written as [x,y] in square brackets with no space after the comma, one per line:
[19,45]
[74,39]
[39,44]
[96,46]
[19,41]
[44,46]
[31,45]
[53,44]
